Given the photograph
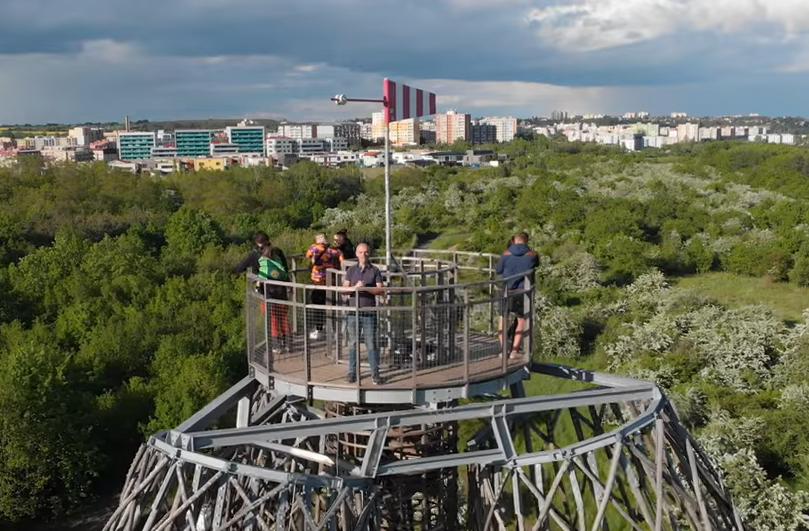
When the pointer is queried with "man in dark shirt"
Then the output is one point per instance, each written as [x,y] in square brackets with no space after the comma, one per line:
[260,241]
[519,259]
[362,276]
[342,242]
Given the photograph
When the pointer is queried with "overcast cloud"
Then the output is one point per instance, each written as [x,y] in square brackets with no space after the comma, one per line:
[88,60]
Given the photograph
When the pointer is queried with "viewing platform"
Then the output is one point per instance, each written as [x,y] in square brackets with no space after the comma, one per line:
[435,325]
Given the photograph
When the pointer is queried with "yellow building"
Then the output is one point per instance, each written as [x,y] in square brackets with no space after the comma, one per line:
[401,132]
[209,164]
[405,132]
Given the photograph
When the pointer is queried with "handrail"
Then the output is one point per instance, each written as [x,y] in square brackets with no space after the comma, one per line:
[436,330]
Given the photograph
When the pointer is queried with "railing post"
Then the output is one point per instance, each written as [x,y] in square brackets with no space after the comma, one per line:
[490,272]
[248,315]
[306,347]
[467,311]
[295,296]
[528,307]
[329,315]
[414,299]
[267,336]
[505,343]
[357,342]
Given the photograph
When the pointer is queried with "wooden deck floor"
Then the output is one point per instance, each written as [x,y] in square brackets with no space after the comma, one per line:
[485,364]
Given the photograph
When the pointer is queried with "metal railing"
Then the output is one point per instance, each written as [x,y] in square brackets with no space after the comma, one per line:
[434,324]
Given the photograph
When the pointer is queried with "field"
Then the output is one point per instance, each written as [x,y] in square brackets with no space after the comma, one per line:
[788,300]
[21,133]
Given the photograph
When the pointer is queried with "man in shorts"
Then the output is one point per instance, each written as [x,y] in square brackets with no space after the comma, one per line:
[518,259]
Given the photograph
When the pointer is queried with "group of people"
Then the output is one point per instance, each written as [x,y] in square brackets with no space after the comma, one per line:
[270,263]
[365,282]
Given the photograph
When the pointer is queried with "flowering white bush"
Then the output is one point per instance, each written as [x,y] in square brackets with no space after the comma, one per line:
[643,338]
[649,289]
[764,504]
[337,216]
[580,272]
[741,346]
[559,333]
[795,397]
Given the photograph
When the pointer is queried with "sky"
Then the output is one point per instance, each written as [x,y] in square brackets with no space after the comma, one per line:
[72,61]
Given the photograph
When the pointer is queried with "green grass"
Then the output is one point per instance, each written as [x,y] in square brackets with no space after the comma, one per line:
[371,173]
[449,239]
[787,300]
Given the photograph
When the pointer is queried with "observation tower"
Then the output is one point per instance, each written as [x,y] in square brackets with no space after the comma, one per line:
[448,440]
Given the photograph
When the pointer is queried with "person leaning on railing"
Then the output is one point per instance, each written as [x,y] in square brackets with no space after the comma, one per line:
[363,275]
[260,240]
[273,266]
[518,259]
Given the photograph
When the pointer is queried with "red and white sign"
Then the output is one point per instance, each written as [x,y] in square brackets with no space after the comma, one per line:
[404,101]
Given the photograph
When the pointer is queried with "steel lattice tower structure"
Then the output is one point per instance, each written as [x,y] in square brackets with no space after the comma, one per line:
[449,441]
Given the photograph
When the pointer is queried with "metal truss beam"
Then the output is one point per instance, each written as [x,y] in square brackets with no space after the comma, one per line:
[605,458]
[509,408]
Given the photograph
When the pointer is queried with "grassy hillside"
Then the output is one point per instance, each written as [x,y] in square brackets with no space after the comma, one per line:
[788,300]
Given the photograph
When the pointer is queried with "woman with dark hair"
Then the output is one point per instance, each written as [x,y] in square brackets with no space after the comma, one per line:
[260,241]
[273,266]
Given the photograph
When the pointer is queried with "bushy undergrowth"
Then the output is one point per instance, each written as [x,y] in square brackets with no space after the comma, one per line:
[118,315]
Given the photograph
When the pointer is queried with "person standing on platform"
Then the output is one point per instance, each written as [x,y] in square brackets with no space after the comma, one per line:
[345,245]
[518,259]
[322,257]
[363,275]
[260,240]
[273,266]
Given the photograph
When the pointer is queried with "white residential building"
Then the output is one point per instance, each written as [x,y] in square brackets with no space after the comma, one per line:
[366,131]
[84,135]
[281,146]
[506,127]
[297,131]
[348,130]
[688,132]
[305,146]
[377,127]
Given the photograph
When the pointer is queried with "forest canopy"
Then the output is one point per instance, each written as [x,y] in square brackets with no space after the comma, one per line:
[119,316]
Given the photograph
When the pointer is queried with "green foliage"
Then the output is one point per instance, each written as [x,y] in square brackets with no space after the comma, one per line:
[118,316]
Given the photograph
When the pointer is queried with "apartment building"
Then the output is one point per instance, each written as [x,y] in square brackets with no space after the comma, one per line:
[405,132]
[280,146]
[377,127]
[84,136]
[452,126]
[484,134]
[366,131]
[297,131]
[193,142]
[164,152]
[506,127]
[135,145]
[227,149]
[350,131]
[247,138]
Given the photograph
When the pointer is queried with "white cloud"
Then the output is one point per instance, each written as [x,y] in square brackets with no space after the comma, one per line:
[520,57]
[589,25]
[522,97]
[475,97]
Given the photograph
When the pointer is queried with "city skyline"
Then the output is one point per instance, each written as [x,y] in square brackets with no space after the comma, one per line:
[88,60]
